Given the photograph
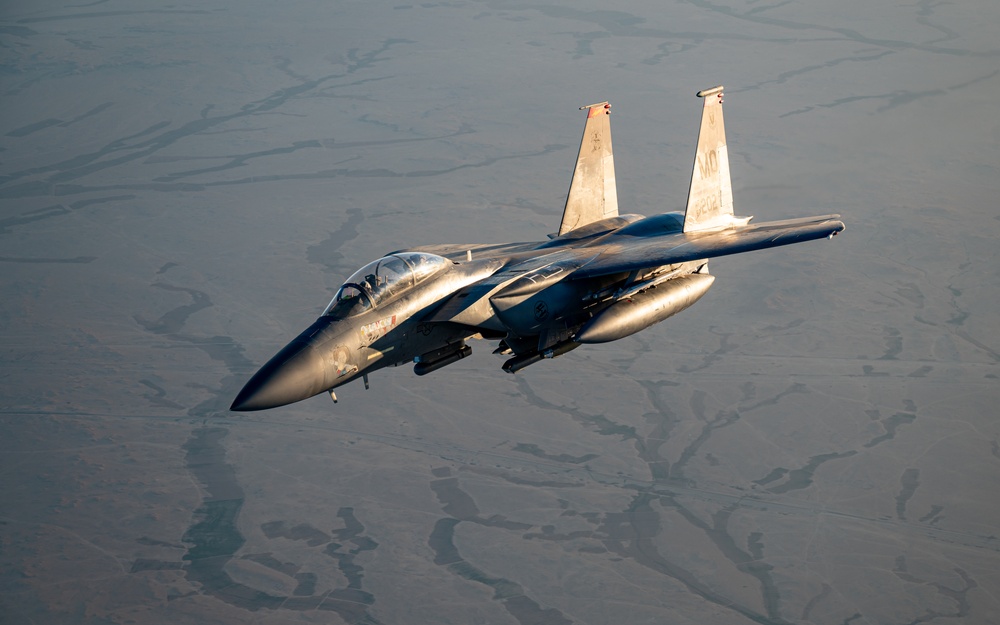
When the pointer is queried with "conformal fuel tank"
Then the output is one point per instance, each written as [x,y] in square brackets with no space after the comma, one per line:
[643,309]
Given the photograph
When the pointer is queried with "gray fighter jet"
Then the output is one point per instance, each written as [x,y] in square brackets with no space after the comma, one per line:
[602,277]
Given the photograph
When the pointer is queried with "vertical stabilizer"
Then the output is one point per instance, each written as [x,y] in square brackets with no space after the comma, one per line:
[593,194]
[710,197]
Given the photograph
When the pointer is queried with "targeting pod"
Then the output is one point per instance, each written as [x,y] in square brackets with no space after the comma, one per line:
[432,361]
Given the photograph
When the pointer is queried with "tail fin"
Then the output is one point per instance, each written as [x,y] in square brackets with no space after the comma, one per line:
[710,197]
[593,194]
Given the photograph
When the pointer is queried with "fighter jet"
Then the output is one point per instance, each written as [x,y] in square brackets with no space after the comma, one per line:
[603,276]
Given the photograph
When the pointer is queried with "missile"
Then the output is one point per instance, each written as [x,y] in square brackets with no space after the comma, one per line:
[628,316]
[517,363]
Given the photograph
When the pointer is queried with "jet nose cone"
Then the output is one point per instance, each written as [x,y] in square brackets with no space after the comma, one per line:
[295,373]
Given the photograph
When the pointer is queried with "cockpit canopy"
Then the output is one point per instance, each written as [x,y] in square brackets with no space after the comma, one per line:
[380,281]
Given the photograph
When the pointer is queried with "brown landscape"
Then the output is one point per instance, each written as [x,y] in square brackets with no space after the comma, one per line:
[183,188]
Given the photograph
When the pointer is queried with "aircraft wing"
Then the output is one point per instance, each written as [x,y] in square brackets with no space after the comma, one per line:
[643,253]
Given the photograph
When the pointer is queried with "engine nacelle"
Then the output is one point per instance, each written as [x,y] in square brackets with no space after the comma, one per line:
[526,312]
[645,308]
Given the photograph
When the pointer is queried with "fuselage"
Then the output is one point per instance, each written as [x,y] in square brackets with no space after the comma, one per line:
[604,277]
[520,293]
